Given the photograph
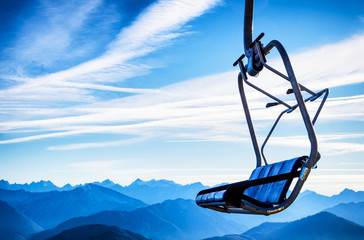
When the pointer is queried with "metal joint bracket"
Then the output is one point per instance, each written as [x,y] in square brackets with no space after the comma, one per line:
[304,173]
[256,59]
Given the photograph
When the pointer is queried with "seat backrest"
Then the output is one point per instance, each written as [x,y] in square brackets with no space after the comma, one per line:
[275,192]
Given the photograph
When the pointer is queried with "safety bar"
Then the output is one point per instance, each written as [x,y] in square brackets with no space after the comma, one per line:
[312,98]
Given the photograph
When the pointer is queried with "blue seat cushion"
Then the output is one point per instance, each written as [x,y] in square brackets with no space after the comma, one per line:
[264,195]
[275,192]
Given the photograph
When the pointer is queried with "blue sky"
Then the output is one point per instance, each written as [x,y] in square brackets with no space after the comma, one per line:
[98,89]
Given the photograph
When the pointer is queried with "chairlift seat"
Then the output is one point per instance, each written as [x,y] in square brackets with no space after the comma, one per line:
[265,187]
[265,191]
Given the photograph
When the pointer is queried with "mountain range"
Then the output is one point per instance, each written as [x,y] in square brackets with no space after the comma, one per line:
[172,219]
[320,226]
[351,211]
[156,191]
[58,211]
[150,192]
[308,203]
[41,186]
[15,225]
[51,208]
[97,232]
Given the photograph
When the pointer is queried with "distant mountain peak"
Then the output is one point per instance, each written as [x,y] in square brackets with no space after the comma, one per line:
[153,182]
[44,183]
[347,193]
[107,181]
[4,184]
[323,214]
[347,190]
[85,188]
[138,180]
[308,191]
[88,186]
[196,184]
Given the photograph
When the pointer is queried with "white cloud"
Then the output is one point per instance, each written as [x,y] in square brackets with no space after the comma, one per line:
[46,37]
[94,145]
[157,26]
[202,109]
[327,144]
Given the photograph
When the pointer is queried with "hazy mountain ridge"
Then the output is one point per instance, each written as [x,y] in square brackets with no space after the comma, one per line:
[172,219]
[156,191]
[14,225]
[351,211]
[51,208]
[159,219]
[320,202]
[41,186]
[150,192]
[99,232]
[308,203]
[323,225]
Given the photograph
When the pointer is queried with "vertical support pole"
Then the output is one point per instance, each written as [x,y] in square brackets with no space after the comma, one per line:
[248,25]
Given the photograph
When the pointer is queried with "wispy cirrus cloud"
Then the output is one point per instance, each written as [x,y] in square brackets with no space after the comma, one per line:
[49,35]
[98,144]
[330,144]
[202,109]
[155,27]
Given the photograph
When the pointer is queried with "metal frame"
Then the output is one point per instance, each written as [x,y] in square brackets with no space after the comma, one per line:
[255,53]
[296,89]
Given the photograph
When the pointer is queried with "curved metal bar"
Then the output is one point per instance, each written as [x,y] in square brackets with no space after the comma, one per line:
[267,94]
[287,78]
[312,98]
[249,120]
[326,91]
[301,104]
[248,25]
[269,134]
[262,53]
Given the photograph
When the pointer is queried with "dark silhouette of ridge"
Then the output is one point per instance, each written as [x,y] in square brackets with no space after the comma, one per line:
[172,219]
[48,209]
[308,203]
[97,232]
[14,225]
[350,211]
[323,225]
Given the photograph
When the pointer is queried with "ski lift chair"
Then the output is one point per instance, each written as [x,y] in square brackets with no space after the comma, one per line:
[266,190]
